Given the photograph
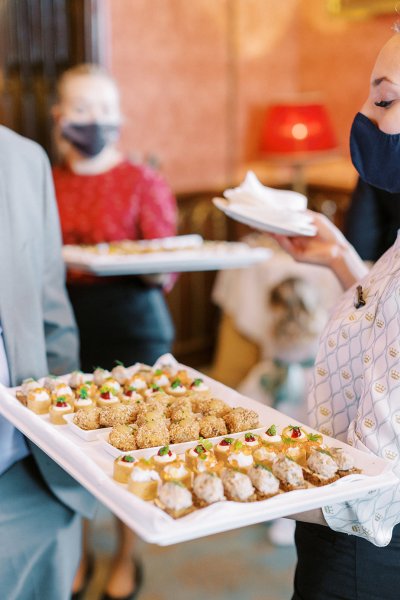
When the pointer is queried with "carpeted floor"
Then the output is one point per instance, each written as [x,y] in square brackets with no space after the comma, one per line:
[238,565]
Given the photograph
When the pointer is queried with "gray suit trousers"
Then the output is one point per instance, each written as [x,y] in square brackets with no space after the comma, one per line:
[39,538]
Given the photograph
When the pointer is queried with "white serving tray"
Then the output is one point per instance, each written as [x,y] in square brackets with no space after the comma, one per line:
[222,255]
[89,464]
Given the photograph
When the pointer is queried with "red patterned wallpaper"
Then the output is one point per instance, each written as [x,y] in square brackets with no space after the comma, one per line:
[196,75]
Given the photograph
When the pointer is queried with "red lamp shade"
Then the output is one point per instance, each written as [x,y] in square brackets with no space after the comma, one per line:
[297,129]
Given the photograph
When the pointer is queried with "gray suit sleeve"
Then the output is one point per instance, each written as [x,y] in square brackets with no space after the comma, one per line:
[60,329]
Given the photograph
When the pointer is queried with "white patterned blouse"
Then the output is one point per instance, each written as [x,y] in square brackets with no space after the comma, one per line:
[355,393]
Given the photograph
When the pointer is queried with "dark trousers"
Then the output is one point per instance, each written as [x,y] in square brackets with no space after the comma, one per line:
[337,566]
[120,319]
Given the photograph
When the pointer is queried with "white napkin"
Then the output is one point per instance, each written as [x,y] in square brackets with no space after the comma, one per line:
[253,192]
[269,205]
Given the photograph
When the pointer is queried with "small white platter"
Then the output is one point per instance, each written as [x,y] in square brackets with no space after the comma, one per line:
[265,220]
[89,435]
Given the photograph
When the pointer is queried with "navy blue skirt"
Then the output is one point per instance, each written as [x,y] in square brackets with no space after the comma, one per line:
[120,319]
[337,566]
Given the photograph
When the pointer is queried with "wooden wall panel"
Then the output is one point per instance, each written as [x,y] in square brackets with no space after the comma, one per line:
[40,39]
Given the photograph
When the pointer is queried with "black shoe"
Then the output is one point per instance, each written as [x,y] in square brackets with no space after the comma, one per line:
[138,584]
[88,576]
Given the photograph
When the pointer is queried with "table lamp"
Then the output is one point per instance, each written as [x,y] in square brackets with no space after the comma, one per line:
[295,134]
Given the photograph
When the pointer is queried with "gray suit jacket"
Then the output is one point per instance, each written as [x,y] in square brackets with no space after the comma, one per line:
[40,334]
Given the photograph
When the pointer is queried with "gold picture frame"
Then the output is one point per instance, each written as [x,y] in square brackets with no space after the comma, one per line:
[363,8]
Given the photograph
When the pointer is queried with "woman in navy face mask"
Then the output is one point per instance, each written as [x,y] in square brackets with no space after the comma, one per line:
[104,197]
[351,550]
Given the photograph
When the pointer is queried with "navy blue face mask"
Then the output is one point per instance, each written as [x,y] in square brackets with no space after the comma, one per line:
[91,138]
[375,154]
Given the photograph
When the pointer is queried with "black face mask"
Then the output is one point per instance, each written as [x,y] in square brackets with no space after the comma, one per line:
[90,139]
[375,154]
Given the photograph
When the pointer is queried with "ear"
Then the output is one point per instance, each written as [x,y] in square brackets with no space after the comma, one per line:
[56,113]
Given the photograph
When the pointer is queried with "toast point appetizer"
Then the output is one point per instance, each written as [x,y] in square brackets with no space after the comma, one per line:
[265,455]
[177,471]
[163,457]
[58,410]
[76,379]
[176,388]
[271,438]
[251,441]
[27,386]
[201,457]
[289,473]
[208,488]
[107,396]
[100,375]
[38,401]
[123,466]
[237,486]
[143,480]
[344,461]
[175,499]
[321,468]
[223,448]
[83,399]
[120,373]
[240,457]
[265,483]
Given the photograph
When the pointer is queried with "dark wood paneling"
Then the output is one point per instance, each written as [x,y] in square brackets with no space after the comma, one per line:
[38,40]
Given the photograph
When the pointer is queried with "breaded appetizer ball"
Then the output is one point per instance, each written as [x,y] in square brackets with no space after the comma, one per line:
[123,437]
[184,431]
[152,434]
[88,419]
[215,407]
[197,399]
[179,410]
[162,398]
[146,417]
[240,419]
[211,426]
[110,416]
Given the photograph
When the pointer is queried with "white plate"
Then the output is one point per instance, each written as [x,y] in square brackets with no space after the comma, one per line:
[264,222]
[89,435]
[222,255]
[102,435]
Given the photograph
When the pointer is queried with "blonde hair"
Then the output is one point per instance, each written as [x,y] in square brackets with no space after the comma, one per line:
[83,70]
[297,316]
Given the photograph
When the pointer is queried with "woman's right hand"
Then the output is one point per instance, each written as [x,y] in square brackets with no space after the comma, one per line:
[321,249]
[328,248]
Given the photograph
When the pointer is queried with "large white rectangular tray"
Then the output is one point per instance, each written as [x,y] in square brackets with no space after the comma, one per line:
[89,464]
[222,255]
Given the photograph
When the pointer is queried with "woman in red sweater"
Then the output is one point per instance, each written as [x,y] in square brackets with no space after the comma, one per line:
[104,197]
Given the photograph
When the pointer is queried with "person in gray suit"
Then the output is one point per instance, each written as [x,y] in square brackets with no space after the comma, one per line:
[40,505]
